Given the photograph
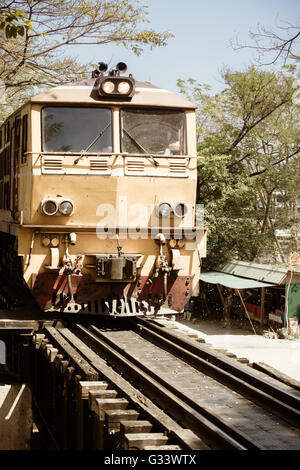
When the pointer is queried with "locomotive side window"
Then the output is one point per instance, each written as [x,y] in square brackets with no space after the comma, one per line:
[159,132]
[70,129]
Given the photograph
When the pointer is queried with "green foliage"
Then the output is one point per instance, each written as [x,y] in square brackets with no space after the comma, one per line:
[229,201]
[249,136]
[35,37]
[13,21]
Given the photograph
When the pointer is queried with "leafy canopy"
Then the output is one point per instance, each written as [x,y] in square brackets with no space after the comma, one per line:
[249,136]
[37,34]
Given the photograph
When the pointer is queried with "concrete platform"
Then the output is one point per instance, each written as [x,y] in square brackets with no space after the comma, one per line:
[280,354]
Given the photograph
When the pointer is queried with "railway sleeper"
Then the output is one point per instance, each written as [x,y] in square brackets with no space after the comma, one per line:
[108,415]
[169,447]
[55,387]
[97,412]
[138,441]
[112,426]
[186,438]
[84,413]
[100,424]
[143,428]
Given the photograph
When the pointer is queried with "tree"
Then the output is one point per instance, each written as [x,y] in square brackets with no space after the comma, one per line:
[281,45]
[249,135]
[38,58]
[12,20]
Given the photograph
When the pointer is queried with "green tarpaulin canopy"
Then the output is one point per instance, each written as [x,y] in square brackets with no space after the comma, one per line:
[228,280]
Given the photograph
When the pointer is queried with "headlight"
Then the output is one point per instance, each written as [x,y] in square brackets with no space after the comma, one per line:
[180,209]
[49,207]
[123,88]
[116,86]
[46,241]
[108,86]
[55,242]
[66,208]
[165,209]
[181,243]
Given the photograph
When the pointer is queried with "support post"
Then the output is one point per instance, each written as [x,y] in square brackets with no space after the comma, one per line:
[221,295]
[262,318]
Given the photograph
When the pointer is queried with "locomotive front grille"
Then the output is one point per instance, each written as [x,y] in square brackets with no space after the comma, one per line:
[52,165]
[100,166]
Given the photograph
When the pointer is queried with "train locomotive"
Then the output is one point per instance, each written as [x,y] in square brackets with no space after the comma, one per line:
[97,199]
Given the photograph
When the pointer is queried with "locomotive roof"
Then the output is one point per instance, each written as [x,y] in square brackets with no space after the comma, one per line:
[84,92]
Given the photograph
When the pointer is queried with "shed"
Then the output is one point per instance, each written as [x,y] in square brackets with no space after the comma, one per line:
[244,275]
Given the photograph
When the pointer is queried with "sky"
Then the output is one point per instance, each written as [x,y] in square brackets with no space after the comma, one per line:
[201,47]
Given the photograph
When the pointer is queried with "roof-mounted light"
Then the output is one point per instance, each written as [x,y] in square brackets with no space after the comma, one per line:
[108,87]
[113,85]
[124,88]
[121,87]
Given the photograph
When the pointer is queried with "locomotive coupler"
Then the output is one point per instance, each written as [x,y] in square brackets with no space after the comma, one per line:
[116,267]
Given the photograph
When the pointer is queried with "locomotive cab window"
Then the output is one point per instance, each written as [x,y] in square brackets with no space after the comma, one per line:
[70,129]
[159,132]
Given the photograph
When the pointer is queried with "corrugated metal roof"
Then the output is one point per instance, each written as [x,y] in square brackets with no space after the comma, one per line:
[259,272]
[228,280]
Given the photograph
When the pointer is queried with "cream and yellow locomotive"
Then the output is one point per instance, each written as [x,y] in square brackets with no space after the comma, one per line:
[97,198]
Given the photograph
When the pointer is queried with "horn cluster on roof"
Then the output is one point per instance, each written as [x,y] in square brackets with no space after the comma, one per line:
[113,85]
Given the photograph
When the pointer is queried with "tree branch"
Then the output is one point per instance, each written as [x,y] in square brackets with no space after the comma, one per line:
[276,163]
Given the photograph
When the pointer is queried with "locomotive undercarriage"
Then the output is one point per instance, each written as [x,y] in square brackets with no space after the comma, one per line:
[142,297]
[161,292]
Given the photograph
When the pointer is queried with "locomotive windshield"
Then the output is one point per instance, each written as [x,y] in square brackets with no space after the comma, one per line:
[70,129]
[159,132]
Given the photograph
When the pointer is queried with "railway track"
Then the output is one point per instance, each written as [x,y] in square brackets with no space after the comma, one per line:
[171,393]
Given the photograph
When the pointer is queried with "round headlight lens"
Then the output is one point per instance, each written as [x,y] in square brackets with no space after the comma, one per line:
[49,207]
[108,86]
[165,209]
[123,88]
[46,241]
[180,209]
[55,242]
[66,208]
[172,243]
[181,243]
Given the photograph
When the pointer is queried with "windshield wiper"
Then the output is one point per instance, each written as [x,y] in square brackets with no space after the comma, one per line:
[91,144]
[150,157]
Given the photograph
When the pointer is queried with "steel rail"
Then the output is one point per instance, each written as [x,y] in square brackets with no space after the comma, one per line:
[84,368]
[227,375]
[182,408]
[219,360]
[185,437]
